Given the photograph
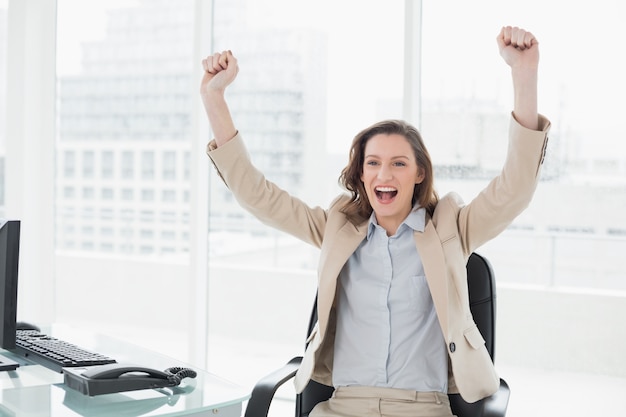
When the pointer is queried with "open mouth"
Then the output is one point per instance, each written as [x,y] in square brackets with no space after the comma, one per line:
[385,194]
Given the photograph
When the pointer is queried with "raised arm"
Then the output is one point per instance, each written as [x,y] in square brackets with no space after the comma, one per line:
[510,192]
[520,50]
[220,70]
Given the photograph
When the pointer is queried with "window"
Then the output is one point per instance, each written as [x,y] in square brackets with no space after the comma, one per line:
[2,170]
[127,194]
[169,165]
[89,160]
[88,230]
[146,233]
[186,165]
[168,196]
[106,214]
[69,164]
[125,71]
[87,246]
[3,57]
[88,193]
[147,165]
[147,195]
[107,193]
[561,247]
[128,165]
[69,192]
[168,235]
[146,216]
[108,164]
[312,77]
[146,249]
[466,109]
[306,91]
[168,217]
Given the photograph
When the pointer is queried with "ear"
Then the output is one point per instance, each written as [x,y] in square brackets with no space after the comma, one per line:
[420,176]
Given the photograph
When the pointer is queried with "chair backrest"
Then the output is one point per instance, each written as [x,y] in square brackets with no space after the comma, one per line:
[482,295]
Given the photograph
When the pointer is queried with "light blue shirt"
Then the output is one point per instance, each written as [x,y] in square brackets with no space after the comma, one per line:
[387,329]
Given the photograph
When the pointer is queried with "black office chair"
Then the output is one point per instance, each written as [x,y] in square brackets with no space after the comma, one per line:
[482,294]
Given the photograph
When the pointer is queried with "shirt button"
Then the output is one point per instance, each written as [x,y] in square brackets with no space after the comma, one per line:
[452,347]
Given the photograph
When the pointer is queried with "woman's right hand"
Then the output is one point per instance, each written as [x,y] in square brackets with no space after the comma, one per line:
[220,69]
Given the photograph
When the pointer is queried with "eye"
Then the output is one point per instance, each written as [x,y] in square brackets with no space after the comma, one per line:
[399,164]
[371,163]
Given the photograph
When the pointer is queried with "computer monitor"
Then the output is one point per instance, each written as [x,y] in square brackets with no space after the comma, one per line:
[9,259]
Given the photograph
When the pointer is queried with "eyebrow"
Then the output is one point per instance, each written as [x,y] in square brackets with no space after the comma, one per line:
[393,157]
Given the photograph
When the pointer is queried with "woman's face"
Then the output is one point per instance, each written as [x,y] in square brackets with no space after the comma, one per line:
[390,173]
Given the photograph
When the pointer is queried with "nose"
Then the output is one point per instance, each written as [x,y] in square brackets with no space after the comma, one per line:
[384,173]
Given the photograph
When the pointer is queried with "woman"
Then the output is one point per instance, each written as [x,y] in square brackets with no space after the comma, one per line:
[394,333]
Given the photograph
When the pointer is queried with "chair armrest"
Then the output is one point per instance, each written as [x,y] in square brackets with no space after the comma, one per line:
[493,406]
[264,390]
[496,404]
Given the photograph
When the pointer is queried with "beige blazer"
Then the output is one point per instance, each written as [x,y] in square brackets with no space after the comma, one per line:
[453,232]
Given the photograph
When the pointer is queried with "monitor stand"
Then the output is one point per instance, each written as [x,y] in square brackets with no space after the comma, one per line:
[7,364]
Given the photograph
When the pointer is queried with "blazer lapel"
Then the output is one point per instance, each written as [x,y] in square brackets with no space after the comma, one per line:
[332,259]
[431,253]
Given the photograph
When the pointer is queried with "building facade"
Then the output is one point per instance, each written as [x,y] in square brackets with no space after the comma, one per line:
[124,134]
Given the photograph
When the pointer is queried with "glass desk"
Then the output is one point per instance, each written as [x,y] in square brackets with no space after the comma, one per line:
[34,391]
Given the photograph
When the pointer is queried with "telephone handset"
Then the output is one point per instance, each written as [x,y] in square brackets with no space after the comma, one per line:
[117,370]
[116,377]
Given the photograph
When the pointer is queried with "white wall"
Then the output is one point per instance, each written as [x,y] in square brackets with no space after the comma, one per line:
[144,302]
[555,329]
[561,330]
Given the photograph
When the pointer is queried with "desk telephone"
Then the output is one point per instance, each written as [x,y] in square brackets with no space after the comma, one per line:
[116,377]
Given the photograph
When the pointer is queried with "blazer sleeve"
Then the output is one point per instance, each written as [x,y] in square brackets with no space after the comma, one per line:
[508,194]
[263,199]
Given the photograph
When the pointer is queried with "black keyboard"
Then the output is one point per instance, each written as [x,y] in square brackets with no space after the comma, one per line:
[53,353]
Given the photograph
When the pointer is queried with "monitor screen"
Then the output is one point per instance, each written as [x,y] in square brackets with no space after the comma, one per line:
[9,259]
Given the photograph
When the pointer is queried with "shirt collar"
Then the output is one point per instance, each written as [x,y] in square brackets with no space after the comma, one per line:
[416,220]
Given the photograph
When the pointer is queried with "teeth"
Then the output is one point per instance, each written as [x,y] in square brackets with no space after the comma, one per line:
[385,189]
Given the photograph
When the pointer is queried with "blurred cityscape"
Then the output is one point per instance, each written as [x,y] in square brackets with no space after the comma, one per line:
[124,149]
[123,197]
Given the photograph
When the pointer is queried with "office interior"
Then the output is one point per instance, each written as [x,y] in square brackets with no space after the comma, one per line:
[128,231]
